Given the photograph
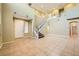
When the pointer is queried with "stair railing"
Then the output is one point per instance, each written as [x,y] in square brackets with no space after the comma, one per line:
[36,33]
[39,28]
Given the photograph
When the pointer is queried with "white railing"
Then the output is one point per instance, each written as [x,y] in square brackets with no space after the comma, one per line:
[40,27]
[36,33]
[43,26]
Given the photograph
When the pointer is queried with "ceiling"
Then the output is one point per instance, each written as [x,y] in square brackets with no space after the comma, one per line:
[47,7]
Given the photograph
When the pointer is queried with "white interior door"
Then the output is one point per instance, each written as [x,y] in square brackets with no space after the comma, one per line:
[19,30]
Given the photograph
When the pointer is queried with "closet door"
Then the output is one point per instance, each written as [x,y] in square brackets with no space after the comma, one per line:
[19,28]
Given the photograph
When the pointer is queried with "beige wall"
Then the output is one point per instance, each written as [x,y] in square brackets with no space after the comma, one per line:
[60,25]
[0,13]
[23,10]
[0,26]
[7,22]
[30,28]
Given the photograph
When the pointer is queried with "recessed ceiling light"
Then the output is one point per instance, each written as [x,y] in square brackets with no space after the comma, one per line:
[29,4]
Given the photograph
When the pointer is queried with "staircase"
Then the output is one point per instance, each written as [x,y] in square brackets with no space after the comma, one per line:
[40,35]
[38,30]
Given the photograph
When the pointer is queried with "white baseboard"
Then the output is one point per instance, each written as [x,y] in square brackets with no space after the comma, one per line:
[58,35]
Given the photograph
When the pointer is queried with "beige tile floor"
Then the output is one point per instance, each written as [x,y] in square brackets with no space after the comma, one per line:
[50,45]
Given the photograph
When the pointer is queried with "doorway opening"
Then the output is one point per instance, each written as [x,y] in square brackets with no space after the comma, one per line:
[22,28]
[73,28]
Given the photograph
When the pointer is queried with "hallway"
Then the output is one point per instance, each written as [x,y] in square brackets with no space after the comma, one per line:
[49,45]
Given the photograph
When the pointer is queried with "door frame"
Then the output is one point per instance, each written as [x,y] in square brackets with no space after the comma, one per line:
[70,29]
[23,19]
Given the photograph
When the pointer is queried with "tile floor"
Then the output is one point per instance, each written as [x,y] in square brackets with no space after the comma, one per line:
[50,45]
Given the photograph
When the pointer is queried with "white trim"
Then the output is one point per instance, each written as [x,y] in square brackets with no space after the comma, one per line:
[62,36]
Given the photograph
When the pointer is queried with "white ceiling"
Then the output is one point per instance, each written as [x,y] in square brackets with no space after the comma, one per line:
[48,6]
